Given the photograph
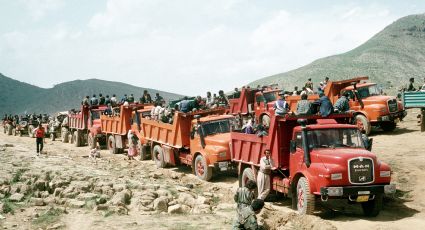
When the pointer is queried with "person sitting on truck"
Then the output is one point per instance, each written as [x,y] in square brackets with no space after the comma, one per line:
[159,99]
[107,100]
[411,87]
[237,93]
[303,106]
[108,110]
[325,105]
[146,98]
[245,195]
[246,218]
[124,99]
[342,105]
[199,103]
[263,177]
[248,128]
[295,92]
[309,84]
[281,107]
[101,99]
[131,98]
[94,101]
[184,105]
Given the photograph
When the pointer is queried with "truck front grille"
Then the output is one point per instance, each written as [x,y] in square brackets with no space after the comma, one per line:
[361,170]
[392,105]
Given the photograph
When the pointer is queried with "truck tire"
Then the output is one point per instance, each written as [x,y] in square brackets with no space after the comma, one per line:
[65,135]
[111,145]
[305,200]
[30,129]
[77,138]
[362,123]
[144,153]
[247,174]
[9,129]
[71,138]
[202,171]
[388,126]
[52,137]
[158,156]
[91,141]
[372,208]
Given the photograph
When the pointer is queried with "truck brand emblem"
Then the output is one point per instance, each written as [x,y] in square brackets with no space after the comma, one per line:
[362,178]
[361,166]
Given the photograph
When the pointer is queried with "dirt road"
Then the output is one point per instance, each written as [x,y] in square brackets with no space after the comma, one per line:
[63,189]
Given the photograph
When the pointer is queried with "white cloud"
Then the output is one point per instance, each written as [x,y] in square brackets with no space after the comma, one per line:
[39,8]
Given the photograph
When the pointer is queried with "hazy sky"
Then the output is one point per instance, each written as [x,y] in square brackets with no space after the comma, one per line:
[181,46]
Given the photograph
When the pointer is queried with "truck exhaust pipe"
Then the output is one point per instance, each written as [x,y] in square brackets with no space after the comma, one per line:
[303,123]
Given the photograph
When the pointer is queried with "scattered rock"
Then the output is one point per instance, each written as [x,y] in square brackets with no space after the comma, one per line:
[101,207]
[17,197]
[175,176]
[160,204]
[120,187]
[121,198]
[87,196]
[182,189]
[155,175]
[175,209]
[37,201]
[202,209]
[58,192]
[44,194]
[56,226]
[203,200]
[75,203]
[186,199]
[40,185]
[208,194]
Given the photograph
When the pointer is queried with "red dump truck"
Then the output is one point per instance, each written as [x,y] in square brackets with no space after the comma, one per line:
[84,122]
[315,159]
[114,128]
[198,139]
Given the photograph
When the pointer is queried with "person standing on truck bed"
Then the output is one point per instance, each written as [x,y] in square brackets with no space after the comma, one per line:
[107,100]
[246,219]
[101,99]
[114,100]
[94,101]
[159,99]
[309,84]
[303,106]
[281,107]
[131,98]
[263,177]
[342,105]
[237,93]
[86,101]
[222,99]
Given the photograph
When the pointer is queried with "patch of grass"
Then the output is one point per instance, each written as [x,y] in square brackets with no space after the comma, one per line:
[215,200]
[8,207]
[108,213]
[49,217]
[17,176]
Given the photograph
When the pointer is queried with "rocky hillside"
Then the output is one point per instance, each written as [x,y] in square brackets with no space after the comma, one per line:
[389,58]
[20,97]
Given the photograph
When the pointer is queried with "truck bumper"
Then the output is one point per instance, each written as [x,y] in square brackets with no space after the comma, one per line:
[357,190]
[222,165]
[393,116]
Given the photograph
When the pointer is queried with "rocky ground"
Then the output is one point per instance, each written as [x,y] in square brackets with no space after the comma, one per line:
[63,189]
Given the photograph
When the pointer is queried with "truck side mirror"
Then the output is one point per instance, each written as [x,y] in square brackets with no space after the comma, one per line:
[293,146]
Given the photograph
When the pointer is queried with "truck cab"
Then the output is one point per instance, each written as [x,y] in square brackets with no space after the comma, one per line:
[315,158]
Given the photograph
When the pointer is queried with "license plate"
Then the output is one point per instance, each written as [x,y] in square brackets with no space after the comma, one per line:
[223,165]
[385,118]
[363,198]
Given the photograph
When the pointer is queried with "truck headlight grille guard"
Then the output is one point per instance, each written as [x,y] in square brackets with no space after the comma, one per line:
[392,105]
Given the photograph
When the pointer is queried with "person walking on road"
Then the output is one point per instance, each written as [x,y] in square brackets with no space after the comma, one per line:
[263,177]
[39,137]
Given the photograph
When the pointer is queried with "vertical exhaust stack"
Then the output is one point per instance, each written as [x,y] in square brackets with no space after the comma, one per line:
[303,123]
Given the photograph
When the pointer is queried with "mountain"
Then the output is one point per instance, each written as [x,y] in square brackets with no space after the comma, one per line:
[389,58]
[19,97]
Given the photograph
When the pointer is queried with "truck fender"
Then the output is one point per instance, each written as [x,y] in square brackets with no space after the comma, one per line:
[203,155]
[364,113]
[295,179]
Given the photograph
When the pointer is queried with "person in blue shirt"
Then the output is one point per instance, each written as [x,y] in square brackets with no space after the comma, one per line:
[325,105]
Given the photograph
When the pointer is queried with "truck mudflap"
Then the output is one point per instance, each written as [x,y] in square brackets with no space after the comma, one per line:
[393,116]
[357,191]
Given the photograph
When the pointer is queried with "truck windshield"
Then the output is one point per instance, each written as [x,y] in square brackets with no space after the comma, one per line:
[214,127]
[371,90]
[335,138]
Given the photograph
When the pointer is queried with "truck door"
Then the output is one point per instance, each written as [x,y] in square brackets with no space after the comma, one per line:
[297,157]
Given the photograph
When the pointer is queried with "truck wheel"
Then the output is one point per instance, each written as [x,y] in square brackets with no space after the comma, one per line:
[144,153]
[305,200]
[52,137]
[30,129]
[77,138]
[158,156]
[91,141]
[111,145]
[202,171]
[265,120]
[71,138]
[362,123]
[247,174]
[64,136]
[372,208]
[388,126]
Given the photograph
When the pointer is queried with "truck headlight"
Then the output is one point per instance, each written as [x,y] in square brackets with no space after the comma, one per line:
[336,176]
[222,154]
[335,191]
[385,173]
[389,189]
